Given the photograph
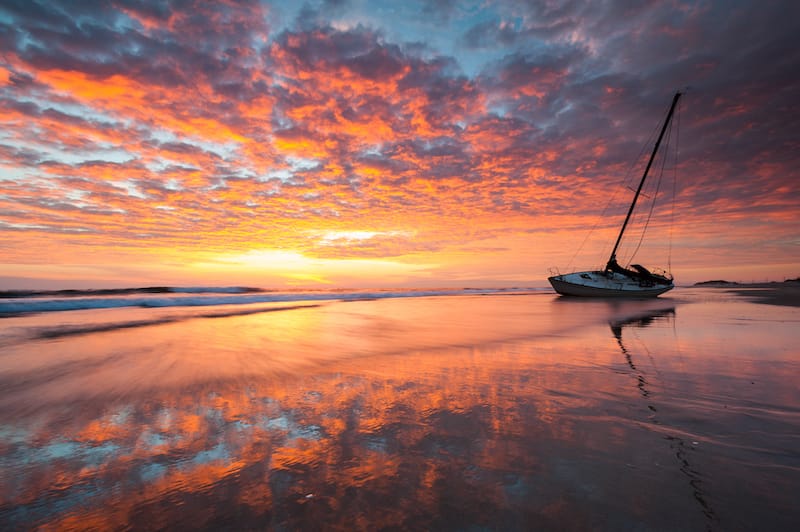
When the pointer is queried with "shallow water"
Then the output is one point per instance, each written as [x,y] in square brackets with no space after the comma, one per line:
[511,412]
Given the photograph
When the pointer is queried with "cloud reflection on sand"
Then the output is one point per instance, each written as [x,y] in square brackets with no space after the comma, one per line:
[377,419]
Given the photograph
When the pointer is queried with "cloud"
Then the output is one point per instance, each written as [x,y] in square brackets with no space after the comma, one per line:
[216,126]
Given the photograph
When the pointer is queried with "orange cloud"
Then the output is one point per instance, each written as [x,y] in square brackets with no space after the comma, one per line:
[184,134]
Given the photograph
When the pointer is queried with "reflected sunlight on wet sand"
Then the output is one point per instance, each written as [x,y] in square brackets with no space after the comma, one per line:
[512,412]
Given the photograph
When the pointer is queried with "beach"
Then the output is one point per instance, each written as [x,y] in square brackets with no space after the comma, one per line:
[786,293]
[465,410]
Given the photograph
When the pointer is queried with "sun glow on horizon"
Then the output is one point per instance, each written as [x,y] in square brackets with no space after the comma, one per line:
[295,268]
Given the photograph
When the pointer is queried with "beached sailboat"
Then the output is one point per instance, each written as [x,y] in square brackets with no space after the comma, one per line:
[615,280]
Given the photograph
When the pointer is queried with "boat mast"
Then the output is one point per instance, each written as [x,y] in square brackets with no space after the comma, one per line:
[613,258]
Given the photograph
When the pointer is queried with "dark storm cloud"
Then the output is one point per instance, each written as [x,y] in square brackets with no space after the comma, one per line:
[95,38]
[325,45]
[736,59]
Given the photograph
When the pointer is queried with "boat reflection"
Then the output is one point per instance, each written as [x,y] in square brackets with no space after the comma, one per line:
[641,321]
[680,446]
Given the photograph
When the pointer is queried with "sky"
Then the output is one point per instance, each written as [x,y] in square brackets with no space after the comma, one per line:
[352,143]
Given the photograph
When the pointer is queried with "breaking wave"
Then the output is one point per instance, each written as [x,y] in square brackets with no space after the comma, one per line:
[19,303]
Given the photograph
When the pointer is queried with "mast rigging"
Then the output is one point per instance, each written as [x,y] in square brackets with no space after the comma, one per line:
[612,260]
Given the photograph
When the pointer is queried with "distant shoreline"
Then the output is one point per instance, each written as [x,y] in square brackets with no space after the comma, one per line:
[785,293]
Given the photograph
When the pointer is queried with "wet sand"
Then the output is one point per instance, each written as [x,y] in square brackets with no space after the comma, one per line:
[524,412]
[785,293]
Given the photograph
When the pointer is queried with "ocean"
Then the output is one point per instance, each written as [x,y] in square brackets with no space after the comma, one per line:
[237,409]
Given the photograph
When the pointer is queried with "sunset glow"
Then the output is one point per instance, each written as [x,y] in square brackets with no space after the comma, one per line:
[352,144]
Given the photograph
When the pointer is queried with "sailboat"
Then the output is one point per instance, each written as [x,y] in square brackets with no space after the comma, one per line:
[615,280]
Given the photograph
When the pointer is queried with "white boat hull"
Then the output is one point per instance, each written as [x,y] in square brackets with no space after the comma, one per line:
[605,284]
